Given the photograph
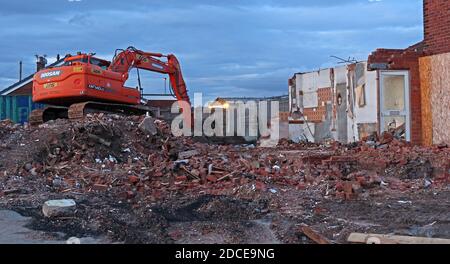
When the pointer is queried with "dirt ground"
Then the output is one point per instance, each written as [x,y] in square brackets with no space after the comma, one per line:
[133,186]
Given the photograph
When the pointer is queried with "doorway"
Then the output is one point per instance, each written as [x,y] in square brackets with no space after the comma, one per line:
[394,103]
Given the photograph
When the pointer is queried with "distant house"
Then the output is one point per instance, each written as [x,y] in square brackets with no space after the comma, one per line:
[16,100]
[162,103]
[283,111]
[24,86]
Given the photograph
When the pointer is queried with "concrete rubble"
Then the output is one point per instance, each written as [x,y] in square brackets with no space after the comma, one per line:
[55,208]
[134,182]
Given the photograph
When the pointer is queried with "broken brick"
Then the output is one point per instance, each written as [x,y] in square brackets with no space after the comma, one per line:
[133,179]
[99,187]
[181,178]
[211,178]
[260,186]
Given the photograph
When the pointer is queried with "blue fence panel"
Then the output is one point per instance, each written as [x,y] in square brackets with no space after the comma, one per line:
[17,108]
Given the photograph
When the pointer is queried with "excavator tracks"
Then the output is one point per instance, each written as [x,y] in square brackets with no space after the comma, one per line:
[76,111]
[40,116]
[79,110]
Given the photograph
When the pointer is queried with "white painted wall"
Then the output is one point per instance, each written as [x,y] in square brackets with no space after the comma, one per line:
[295,132]
[308,131]
[310,82]
[367,113]
[310,100]
[340,75]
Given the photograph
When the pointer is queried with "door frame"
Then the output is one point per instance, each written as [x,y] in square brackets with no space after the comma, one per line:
[407,111]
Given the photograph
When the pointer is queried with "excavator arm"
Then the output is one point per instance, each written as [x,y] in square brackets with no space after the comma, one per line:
[130,58]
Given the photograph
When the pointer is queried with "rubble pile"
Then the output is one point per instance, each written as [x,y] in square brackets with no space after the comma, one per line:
[5,127]
[137,157]
[136,160]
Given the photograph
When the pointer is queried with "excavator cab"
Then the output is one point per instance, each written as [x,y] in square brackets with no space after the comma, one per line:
[99,62]
[76,60]
[86,59]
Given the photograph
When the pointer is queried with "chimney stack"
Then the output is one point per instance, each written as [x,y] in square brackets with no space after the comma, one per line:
[41,61]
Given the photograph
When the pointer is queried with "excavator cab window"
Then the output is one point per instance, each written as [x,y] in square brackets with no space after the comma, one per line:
[76,61]
[100,63]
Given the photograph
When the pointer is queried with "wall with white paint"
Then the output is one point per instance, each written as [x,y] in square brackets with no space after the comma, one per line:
[307,85]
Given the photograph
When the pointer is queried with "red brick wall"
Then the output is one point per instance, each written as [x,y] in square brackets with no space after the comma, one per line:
[437,26]
[318,114]
[407,59]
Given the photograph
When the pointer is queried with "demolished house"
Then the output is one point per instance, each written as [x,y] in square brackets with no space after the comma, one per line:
[427,64]
[403,91]
[337,103]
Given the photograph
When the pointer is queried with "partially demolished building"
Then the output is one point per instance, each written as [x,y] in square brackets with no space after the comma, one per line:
[337,103]
[405,91]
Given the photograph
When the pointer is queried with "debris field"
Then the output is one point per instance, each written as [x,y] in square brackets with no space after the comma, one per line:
[129,180]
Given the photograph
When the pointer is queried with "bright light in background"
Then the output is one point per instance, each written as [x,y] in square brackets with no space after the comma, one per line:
[218,105]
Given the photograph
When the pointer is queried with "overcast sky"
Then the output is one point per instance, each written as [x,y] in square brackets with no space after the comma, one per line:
[226,47]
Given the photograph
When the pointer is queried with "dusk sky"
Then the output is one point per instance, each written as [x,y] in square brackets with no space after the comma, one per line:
[226,48]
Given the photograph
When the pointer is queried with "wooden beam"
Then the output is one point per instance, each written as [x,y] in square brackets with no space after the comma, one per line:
[393,239]
[314,236]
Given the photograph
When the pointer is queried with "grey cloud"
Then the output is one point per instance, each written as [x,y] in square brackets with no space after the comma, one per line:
[235,47]
[63,6]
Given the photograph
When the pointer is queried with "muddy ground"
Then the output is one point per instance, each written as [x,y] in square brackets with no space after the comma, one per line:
[222,219]
[266,196]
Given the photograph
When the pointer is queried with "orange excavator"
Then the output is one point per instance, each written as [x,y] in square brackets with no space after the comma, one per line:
[86,84]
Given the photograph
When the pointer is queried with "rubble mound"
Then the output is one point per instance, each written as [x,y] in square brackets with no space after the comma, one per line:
[131,178]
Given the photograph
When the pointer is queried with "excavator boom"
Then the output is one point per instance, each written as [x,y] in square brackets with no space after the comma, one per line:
[133,58]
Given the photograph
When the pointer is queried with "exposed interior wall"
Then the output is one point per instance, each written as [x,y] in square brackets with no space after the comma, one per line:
[314,90]
[339,112]
[338,103]
[341,117]
[368,112]
[362,101]
[435,82]
[314,99]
